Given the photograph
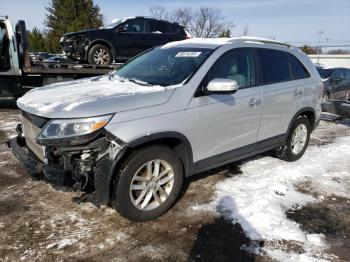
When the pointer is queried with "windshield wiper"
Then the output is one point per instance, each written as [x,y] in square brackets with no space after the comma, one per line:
[137,81]
[112,77]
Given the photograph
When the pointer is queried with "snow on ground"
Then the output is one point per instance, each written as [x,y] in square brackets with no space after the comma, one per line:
[258,198]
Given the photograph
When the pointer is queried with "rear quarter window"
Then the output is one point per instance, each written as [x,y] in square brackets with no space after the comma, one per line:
[274,66]
[298,70]
[174,28]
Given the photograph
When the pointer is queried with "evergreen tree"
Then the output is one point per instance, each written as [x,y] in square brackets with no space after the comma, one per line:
[36,40]
[309,50]
[69,16]
[225,33]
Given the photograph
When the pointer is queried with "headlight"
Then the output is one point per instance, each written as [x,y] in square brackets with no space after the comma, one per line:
[62,38]
[70,128]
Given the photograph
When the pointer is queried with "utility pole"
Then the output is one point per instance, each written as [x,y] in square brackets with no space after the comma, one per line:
[320,32]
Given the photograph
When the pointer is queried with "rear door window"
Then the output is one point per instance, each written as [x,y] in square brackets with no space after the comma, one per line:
[274,66]
[157,27]
[173,28]
[297,68]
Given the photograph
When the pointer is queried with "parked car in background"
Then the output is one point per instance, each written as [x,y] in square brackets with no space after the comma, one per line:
[177,110]
[58,59]
[120,40]
[21,70]
[37,57]
[336,83]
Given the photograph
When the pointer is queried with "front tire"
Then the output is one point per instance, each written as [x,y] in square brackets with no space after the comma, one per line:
[297,140]
[148,183]
[100,55]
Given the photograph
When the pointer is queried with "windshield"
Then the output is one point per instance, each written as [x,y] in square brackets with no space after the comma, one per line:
[113,24]
[164,66]
[325,73]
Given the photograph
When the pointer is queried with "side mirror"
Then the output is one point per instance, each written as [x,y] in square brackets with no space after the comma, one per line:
[121,29]
[222,86]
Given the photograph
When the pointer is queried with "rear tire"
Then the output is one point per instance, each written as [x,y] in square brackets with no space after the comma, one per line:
[100,55]
[297,140]
[148,183]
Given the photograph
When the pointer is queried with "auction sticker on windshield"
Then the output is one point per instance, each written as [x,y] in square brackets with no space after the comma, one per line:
[188,54]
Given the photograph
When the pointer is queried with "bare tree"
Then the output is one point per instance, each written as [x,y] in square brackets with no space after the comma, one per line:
[206,22]
[159,12]
[339,52]
[183,16]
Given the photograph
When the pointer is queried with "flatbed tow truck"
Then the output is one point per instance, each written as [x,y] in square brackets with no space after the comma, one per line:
[18,73]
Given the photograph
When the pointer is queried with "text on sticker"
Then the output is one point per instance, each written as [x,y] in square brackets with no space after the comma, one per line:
[188,54]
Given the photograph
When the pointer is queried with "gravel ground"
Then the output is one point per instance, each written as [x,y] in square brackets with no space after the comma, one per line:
[42,223]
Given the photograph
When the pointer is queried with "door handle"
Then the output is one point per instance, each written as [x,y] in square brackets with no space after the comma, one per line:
[298,92]
[254,102]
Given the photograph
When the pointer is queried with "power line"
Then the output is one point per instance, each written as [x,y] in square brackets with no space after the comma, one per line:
[320,46]
[315,42]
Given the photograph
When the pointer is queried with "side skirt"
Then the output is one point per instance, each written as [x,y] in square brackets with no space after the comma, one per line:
[238,154]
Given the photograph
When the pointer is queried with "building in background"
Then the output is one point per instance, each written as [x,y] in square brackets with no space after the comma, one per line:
[332,60]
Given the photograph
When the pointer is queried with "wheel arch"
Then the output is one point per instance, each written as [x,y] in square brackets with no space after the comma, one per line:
[309,112]
[105,170]
[177,141]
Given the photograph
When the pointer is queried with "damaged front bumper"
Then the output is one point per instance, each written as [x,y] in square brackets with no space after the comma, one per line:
[29,161]
[37,169]
[75,47]
[86,167]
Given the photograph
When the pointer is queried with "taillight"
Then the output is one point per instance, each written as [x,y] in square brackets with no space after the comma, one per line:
[188,35]
[321,89]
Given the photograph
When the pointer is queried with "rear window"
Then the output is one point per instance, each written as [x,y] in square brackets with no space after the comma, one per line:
[274,66]
[297,68]
[325,73]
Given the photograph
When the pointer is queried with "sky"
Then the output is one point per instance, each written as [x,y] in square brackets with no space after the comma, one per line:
[294,21]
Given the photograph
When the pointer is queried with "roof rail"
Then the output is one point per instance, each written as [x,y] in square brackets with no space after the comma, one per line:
[261,40]
[6,16]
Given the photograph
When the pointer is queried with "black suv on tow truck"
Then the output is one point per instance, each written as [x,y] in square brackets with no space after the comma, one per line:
[120,40]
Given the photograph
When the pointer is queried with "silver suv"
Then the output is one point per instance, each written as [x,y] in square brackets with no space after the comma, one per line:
[173,111]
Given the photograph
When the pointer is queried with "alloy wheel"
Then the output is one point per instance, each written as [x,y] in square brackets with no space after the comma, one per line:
[299,139]
[152,184]
[101,56]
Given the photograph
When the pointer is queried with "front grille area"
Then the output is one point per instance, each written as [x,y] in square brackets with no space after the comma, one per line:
[36,120]
[30,132]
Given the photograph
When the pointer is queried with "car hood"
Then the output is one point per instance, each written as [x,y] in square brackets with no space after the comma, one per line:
[85,32]
[91,97]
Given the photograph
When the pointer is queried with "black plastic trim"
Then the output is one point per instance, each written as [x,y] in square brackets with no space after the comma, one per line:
[300,112]
[238,154]
[274,141]
[36,120]
[104,173]
[187,159]
[32,164]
